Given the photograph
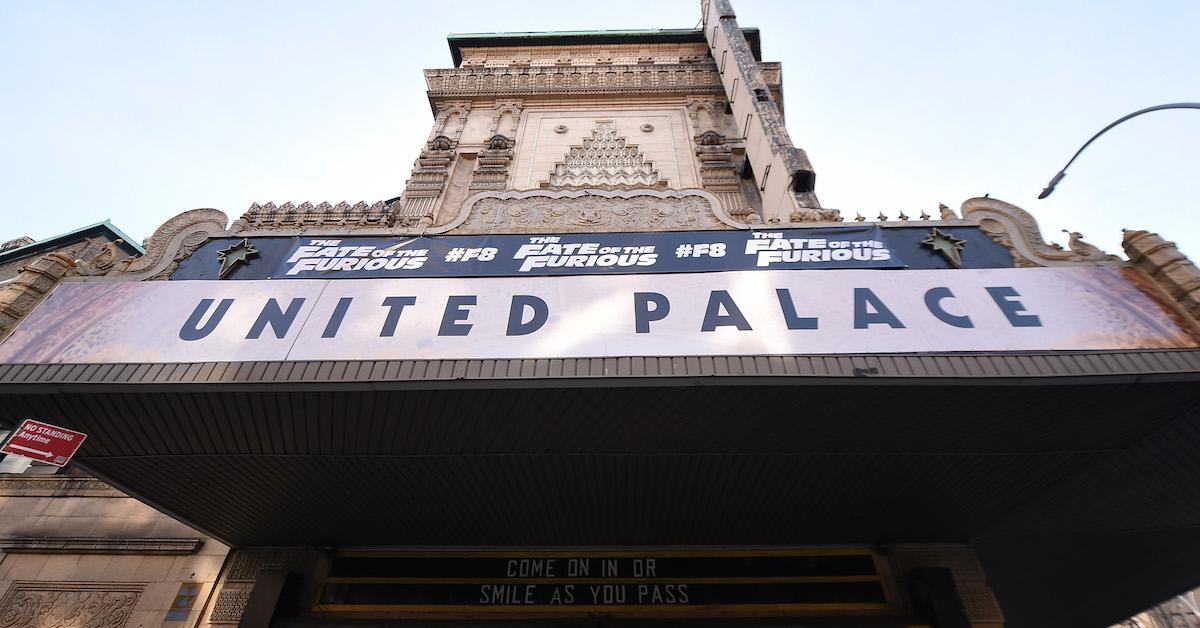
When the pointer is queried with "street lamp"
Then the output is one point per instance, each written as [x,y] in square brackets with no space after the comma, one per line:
[1062,173]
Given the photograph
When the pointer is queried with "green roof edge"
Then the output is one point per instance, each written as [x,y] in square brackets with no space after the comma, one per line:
[42,244]
[457,41]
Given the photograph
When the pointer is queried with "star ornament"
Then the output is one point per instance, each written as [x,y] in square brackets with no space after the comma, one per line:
[946,244]
[234,256]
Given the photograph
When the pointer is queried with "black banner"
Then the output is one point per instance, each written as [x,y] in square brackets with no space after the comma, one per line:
[586,253]
[614,582]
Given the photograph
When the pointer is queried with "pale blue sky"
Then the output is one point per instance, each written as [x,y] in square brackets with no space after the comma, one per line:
[137,111]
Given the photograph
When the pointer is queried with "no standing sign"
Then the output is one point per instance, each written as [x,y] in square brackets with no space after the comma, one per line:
[44,442]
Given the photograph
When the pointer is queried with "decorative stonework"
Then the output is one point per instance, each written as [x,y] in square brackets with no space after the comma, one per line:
[492,165]
[20,295]
[247,566]
[1167,266]
[289,217]
[170,244]
[229,606]
[428,179]
[513,109]
[99,545]
[68,604]
[584,55]
[449,120]
[689,78]
[604,161]
[103,261]
[16,243]
[1017,230]
[576,211]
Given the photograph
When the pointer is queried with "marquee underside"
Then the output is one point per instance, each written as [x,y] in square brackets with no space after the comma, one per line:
[1054,479]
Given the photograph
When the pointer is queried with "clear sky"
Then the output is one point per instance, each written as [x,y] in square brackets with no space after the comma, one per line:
[138,111]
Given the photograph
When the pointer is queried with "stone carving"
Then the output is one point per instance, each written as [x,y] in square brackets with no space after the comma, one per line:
[647,128]
[492,164]
[513,109]
[16,243]
[103,261]
[946,213]
[584,55]
[20,295]
[814,214]
[1016,230]
[449,119]
[535,211]
[247,566]
[171,243]
[429,176]
[604,160]
[560,128]
[289,217]
[689,78]
[229,606]
[707,113]
[68,604]
[1167,266]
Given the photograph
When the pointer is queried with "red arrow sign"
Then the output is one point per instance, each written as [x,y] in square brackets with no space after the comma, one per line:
[44,442]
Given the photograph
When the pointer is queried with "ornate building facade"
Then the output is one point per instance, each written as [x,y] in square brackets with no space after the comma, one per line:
[605,360]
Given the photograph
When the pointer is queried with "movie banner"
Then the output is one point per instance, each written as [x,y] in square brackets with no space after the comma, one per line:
[587,253]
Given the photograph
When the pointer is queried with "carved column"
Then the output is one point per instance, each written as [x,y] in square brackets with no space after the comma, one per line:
[491,171]
[718,172]
[1167,266]
[428,180]
[21,294]
[432,167]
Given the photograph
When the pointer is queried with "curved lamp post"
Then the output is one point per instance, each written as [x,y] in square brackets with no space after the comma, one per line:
[1062,173]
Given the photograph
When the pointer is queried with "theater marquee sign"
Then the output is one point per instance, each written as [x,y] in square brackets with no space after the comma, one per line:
[761,312]
[667,582]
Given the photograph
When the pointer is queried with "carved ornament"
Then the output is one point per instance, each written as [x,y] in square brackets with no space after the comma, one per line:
[1017,230]
[1167,266]
[604,160]
[68,604]
[21,294]
[176,239]
[578,211]
[688,78]
[306,216]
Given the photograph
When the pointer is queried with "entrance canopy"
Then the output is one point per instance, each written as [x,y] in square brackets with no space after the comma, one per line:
[1083,456]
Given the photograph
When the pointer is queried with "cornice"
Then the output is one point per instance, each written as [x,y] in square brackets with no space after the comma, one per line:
[593,79]
[98,545]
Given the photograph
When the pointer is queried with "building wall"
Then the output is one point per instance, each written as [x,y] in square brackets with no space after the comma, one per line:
[80,553]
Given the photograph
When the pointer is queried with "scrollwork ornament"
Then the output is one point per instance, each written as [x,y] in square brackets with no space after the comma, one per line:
[1017,230]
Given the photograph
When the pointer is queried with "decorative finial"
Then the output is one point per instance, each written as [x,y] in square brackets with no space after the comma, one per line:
[903,218]
[882,217]
[924,216]
[947,213]
[858,217]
